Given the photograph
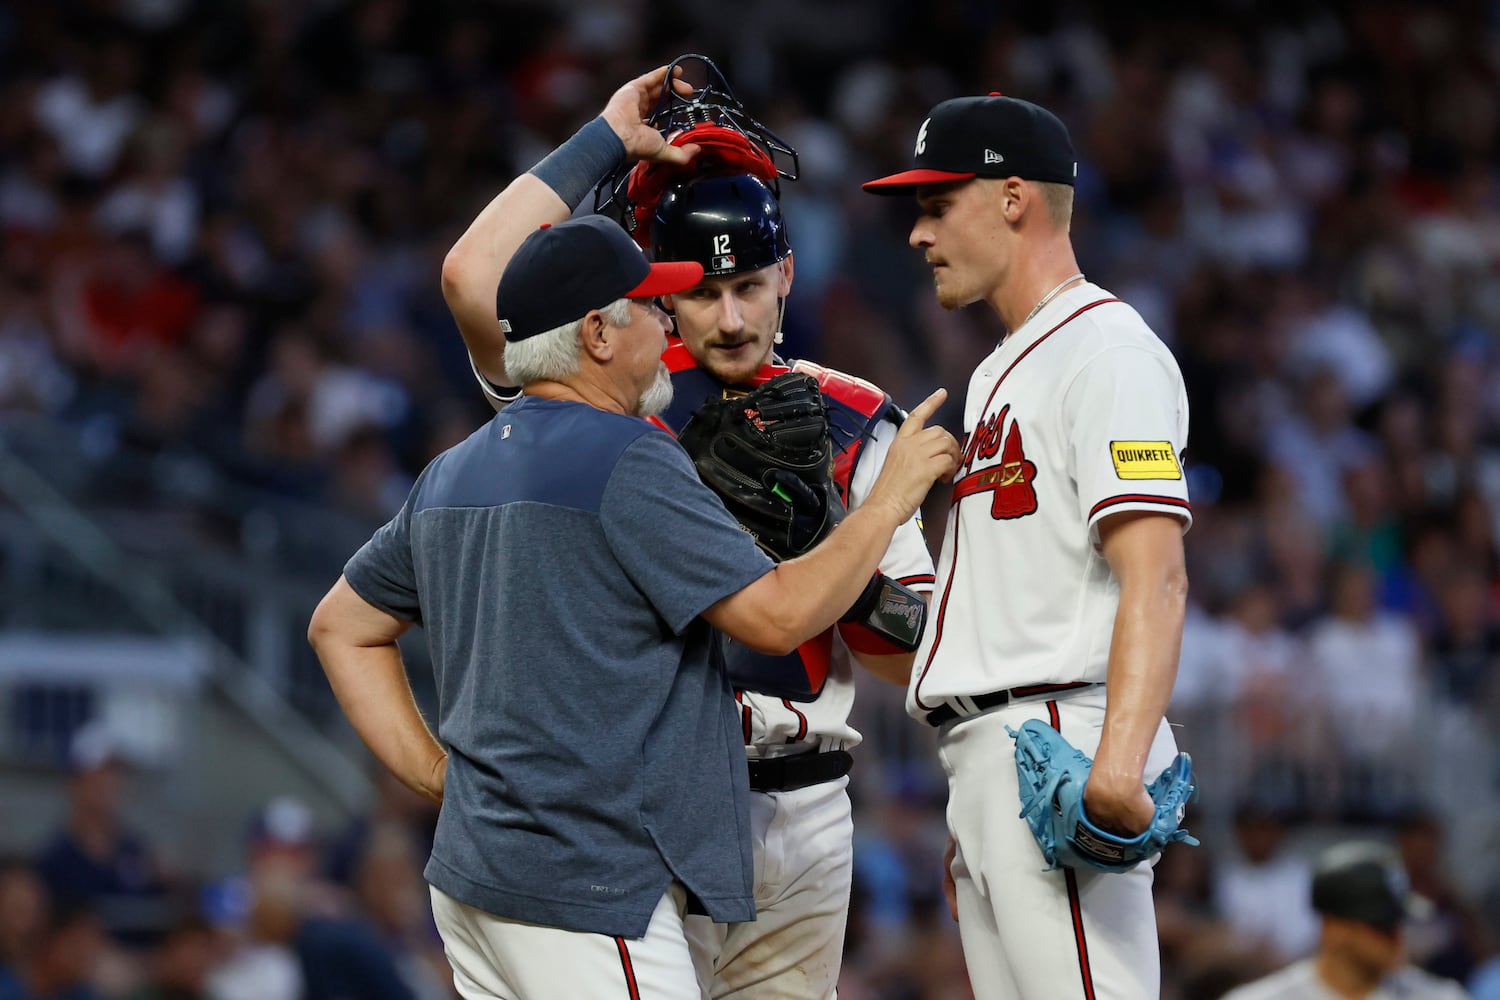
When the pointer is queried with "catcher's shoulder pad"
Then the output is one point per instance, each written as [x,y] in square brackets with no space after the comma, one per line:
[865,403]
[865,398]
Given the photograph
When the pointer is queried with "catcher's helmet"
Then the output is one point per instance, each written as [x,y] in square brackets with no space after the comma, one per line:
[729,224]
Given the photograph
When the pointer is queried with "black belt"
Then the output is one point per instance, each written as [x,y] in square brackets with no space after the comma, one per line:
[983,702]
[782,774]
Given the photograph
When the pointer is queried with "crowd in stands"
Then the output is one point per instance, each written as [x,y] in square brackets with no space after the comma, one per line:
[221,230]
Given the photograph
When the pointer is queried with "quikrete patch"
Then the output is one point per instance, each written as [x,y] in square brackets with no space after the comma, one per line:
[1144,460]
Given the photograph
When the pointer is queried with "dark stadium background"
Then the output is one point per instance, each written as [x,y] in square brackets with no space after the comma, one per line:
[224,355]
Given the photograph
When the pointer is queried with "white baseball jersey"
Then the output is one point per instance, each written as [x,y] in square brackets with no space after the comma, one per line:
[1078,414]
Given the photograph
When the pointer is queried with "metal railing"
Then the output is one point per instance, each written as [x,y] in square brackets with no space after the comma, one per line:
[73,562]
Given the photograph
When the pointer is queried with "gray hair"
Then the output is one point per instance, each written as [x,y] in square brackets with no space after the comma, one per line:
[553,356]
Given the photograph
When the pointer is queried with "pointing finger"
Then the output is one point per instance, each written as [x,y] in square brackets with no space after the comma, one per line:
[918,417]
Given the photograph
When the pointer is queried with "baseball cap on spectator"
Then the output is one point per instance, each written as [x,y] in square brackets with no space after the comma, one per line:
[561,272]
[993,136]
[285,820]
[95,745]
[1365,882]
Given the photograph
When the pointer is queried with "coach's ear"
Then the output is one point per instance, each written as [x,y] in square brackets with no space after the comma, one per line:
[594,337]
[784,277]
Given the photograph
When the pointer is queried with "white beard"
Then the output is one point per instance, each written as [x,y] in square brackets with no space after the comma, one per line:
[657,398]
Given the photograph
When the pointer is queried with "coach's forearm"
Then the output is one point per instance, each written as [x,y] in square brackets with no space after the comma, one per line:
[371,686]
[471,270]
[546,194]
[801,597]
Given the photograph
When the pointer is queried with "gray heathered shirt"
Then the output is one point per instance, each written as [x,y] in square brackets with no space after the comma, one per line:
[559,559]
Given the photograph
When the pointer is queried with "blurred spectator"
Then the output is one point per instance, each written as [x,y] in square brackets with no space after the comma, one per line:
[1449,940]
[180,967]
[1262,893]
[1197,943]
[95,860]
[393,894]
[1365,665]
[63,962]
[1317,443]
[221,228]
[395,805]
[287,949]
[1466,649]
[23,911]
[91,116]
[1362,897]
[120,307]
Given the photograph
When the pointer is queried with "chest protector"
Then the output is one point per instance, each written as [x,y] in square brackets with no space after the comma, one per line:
[855,408]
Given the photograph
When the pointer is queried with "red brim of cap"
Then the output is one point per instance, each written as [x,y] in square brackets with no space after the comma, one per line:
[909,180]
[668,278]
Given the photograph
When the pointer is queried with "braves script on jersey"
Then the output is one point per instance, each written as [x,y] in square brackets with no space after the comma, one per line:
[1078,415]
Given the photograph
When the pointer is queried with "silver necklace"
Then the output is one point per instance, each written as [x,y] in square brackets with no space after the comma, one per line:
[1049,296]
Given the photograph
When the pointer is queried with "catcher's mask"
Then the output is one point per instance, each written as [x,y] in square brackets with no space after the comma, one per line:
[731,141]
[730,225]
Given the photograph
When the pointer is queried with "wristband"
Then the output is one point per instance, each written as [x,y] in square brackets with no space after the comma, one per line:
[573,168]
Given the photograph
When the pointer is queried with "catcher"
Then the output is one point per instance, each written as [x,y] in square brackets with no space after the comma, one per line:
[788,447]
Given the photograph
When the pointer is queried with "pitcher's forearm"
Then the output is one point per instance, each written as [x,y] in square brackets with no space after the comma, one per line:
[1144,651]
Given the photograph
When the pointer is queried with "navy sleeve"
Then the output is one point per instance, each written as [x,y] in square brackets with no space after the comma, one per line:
[672,535]
[383,573]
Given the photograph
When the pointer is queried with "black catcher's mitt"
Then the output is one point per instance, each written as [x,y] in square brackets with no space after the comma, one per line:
[768,455]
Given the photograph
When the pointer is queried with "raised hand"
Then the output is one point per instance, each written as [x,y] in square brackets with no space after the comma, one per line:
[627,110]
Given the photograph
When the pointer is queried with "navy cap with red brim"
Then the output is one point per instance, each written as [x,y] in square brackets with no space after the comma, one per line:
[909,180]
[667,278]
[992,136]
[559,273]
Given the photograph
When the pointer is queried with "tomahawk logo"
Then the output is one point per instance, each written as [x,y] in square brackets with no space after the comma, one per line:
[990,156]
[1010,479]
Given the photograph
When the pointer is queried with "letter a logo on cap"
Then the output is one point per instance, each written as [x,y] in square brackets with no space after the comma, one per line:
[922,137]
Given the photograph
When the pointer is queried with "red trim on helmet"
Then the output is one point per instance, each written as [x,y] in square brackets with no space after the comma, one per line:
[909,180]
[720,151]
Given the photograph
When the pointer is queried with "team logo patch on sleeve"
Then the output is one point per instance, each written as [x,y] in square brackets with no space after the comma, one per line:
[1145,460]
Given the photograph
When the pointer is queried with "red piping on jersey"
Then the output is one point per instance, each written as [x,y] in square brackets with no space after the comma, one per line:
[918,580]
[739,696]
[801,720]
[937,638]
[630,983]
[1139,498]
[1075,905]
